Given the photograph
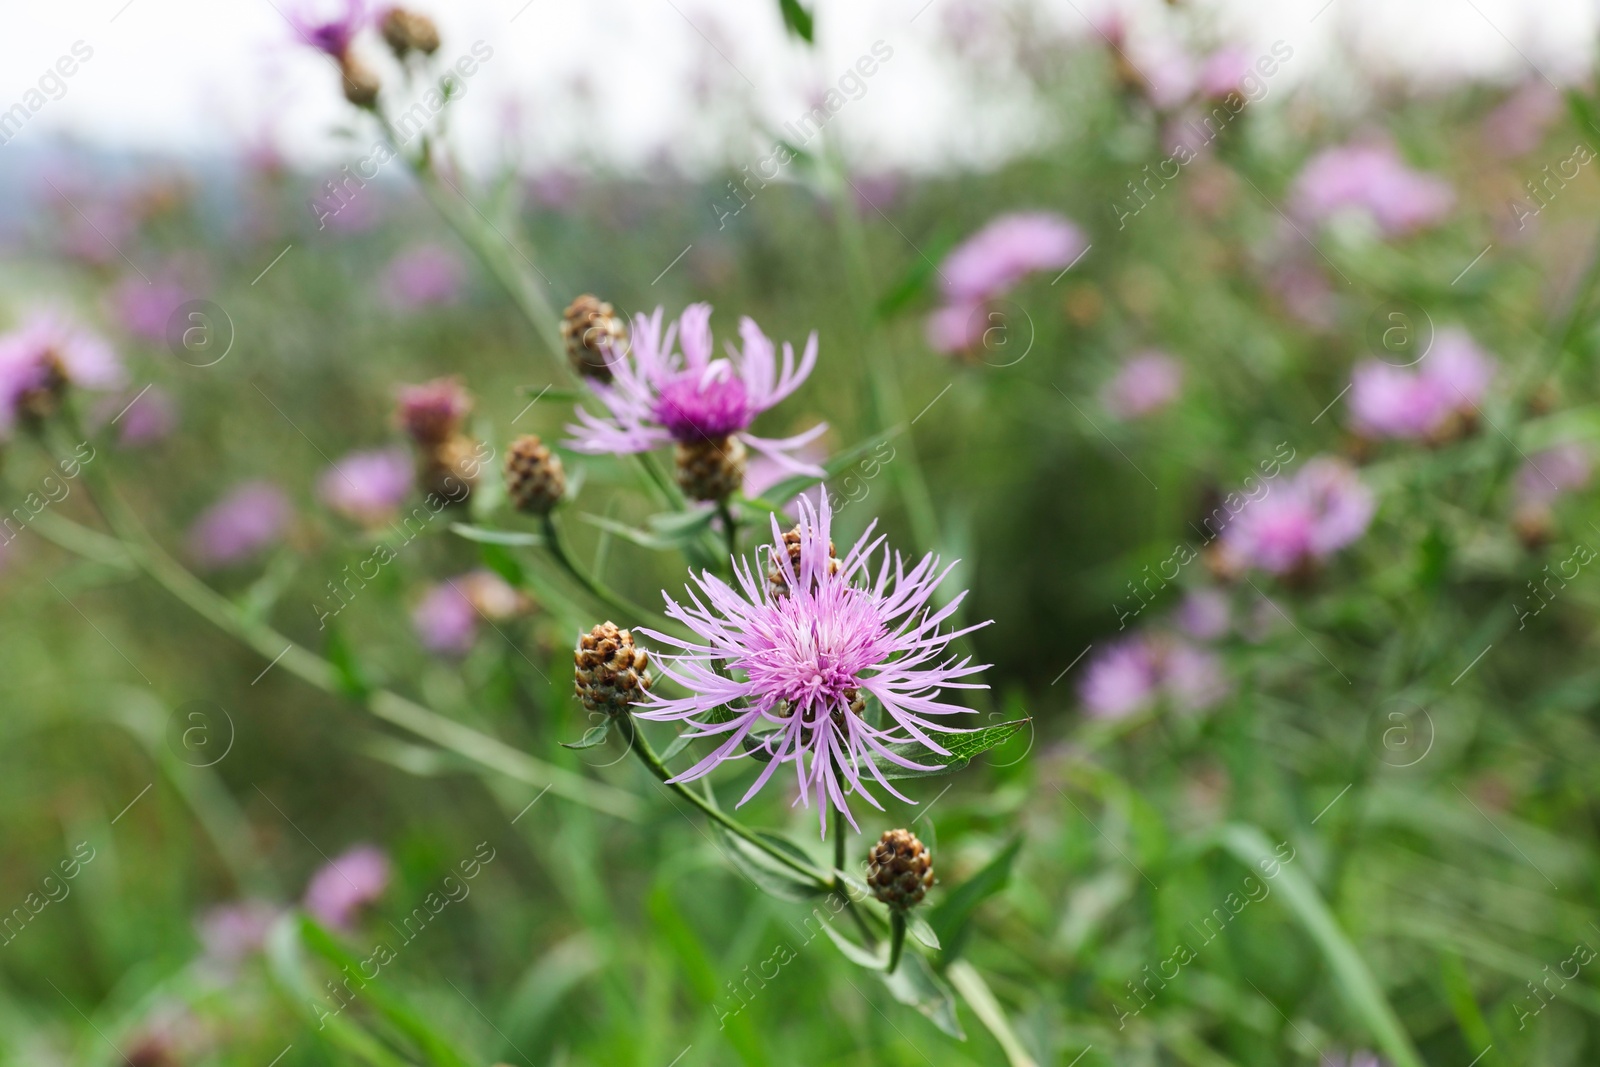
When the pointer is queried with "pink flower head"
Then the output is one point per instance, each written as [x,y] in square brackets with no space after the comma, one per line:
[1389,401]
[1224,71]
[47,351]
[1205,614]
[349,882]
[1147,382]
[1319,511]
[230,932]
[445,621]
[1166,69]
[1007,250]
[799,660]
[658,395]
[432,413]
[250,518]
[955,328]
[427,274]
[329,27]
[143,307]
[367,487]
[1133,675]
[1548,474]
[1371,178]
[1519,125]
[142,418]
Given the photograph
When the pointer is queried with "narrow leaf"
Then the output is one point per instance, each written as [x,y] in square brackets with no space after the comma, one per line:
[961,750]
[486,535]
[595,735]
[949,920]
[797,19]
[914,983]
[872,960]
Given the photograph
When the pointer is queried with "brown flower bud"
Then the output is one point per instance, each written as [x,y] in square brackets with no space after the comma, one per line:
[450,469]
[433,412]
[408,31]
[595,336]
[361,82]
[900,869]
[711,469]
[611,671]
[534,477]
[778,573]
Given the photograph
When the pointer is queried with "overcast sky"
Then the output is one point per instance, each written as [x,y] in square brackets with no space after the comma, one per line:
[623,79]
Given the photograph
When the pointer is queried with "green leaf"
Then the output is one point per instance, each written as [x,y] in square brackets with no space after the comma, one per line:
[962,749]
[503,563]
[1354,979]
[679,743]
[767,874]
[907,289]
[679,526]
[352,681]
[286,963]
[797,19]
[914,983]
[949,920]
[628,533]
[594,735]
[918,928]
[486,535]
[861,956]
[550,392]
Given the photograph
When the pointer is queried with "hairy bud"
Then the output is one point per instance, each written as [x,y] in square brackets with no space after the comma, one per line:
[612,672]
[900,869]
[534,477]
[595,336]
[711,469]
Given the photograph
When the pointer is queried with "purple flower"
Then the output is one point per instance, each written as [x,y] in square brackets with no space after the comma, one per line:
[230,932]
[1133,675]
[141,418]
[1371,178]
[1205,614]
[1548,474]
[445,621]
[143,307]
[1519,125]
[1147,382]
[329,27]
[46,352]
[1224,71]
[367,487]
[1007,250]
[658,396]
[1389,401]
[1319,511]
[428,274]
[801,655]
[349,882]
[956,328]
[432,413]
[241,524]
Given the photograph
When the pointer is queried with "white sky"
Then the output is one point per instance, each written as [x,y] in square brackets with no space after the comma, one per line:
[205,76]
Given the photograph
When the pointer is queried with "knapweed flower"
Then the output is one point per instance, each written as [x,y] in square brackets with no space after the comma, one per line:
[535,480]
[423,276]
[142,418]
[704,405]
[1007,250]
[595,336]
[367,487]
[45,355]
[1548,474]
[1147,382]
[1135,674]
[433,412]
[900,869]
[1300,522]
[1204,614]
[446,618]
[1434,400]
[329,27]
[802,661]
[231,932]
[1519,125]
[1373,179]
[409,31]
[143,307]
[352,880]
[250,518]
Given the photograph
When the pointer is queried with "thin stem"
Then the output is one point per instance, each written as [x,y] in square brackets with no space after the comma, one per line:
[840,889]
[730,530]
[598,589]
[640,744]
[897,938]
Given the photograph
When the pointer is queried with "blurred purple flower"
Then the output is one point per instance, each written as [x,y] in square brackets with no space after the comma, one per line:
[840,630]
[432,412]
[1224,71]
[1007,250]
[329,27]
[45,352]
[445,620]
[1546,475]
[1371,178]
[1166,70]
[659,396]
[248,519]
[1519,125]
[956,328]
[350,881]
[1320,510]
[143,308]
[1389,401]
[367,487]
[424,275]
[1205,614]
[231,932]
[142,418]
[1147,382]
[1132,675]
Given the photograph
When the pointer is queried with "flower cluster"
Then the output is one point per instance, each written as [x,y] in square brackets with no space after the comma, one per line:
[1436,401]
[989,264]
[1371,180]
[1139,672]
[1320,510]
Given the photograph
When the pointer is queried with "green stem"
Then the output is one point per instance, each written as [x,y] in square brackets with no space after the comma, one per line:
[640,744]
[596,588]
[730,530]
[897,938]
[393,708]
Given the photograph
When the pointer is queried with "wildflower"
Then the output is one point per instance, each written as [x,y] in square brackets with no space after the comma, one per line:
[1519,125]
[250,518]
[141,418]
[1205,614]
[408,31]
[1227,70]
[367,487]
[333,34]
[704,405]
[424,275]
[143,307]
[230,932]
[595,336]
[446,618]
[1320,510]
[1147,382]
[1438,400]
[804,661]
[1133,675]
[1372,179]
[535,480]
[1539,484]
[900,869]
[956,328]
[611,673]
[433,412]
[350,882]
[41,358]
[1008,249]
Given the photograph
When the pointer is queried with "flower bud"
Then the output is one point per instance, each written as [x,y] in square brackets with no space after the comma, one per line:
[711,469]
[361,82]
[433,412]
[900,869]
[611,670]
[450,469]
[595,336]
[534,478]
[778,573]
[409,31]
